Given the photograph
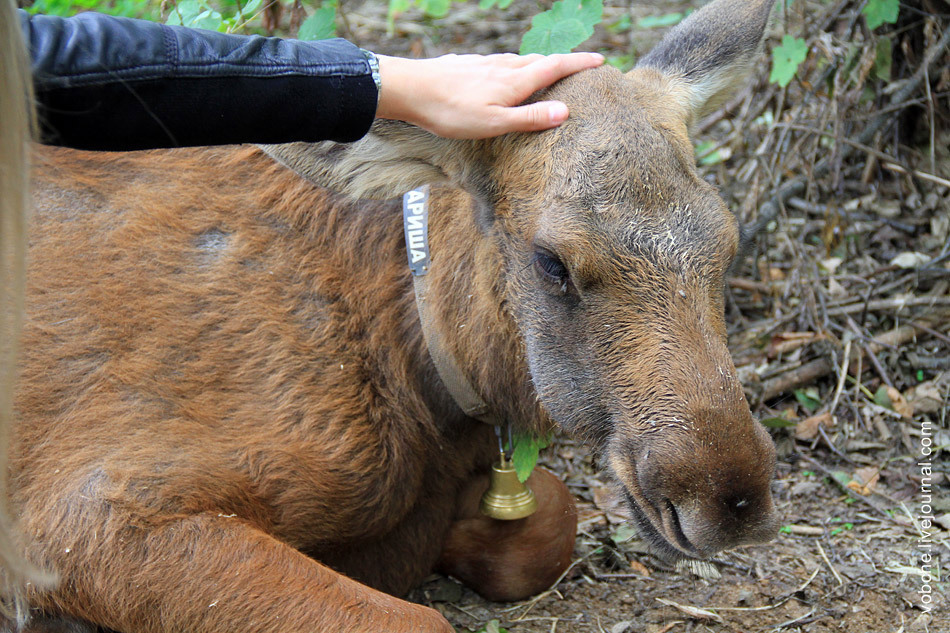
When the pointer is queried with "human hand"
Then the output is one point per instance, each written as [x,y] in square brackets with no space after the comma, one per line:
[476,96]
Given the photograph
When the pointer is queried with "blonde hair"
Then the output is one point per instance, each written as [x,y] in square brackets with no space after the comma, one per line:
[17,123]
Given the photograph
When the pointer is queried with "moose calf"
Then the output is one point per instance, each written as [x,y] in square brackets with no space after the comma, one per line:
[230,420]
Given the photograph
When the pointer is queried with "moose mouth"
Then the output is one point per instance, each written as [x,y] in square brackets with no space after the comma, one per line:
[659,525]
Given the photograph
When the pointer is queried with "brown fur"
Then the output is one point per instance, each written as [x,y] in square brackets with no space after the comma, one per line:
[225,379]
[492,556]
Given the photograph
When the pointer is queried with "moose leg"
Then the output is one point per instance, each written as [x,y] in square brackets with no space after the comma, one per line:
[511,560]
[207,573]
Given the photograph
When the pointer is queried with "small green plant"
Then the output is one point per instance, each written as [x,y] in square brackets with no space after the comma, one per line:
[432,9]
[878,12]
[198,14]
[846,526]
[228,17]
[492,626]
[65,8]
[567,24]
[621,24]
[786,59]
[808,398]
[778,423]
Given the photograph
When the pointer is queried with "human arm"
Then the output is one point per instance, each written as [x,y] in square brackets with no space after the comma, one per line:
[110,83]
[117,84]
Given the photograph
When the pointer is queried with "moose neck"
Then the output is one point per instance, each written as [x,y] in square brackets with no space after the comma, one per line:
[466,284]
[466,297]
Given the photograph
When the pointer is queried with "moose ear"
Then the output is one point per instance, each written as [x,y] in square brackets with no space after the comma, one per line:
[391,159]
[706,57]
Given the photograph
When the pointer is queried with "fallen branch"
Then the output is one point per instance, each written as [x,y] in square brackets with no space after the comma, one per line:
[820,367]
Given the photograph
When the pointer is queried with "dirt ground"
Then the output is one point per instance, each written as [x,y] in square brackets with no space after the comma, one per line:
[844,568]
[820,281]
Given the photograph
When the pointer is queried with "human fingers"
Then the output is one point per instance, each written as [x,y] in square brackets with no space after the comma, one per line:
[545,70]
[533,117]
[520,61]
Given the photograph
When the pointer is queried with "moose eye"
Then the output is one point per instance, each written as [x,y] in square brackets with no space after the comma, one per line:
[552,270]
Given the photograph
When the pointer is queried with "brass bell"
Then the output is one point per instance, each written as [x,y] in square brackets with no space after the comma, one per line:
[507,498]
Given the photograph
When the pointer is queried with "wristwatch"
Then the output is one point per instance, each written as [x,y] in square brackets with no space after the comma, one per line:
[374,69]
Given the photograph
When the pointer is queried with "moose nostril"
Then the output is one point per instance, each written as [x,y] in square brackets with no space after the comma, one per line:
[672,519]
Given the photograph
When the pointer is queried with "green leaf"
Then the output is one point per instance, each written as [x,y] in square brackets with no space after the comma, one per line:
[786,58]
[549,36]
[434,8]
[250,8]
[184,12]
[524,457]
[882,399]
[623,534]
[883,59]
[785,529]
[842,477]
[657,21]
[808,398]
[567,24]
[208,19]
[777,423]
[708,157]
[878,12]
[197,14]
[488,4]
[592,12]
[319,26]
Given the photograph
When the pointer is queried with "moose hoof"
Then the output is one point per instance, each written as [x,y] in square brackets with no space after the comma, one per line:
[512,560]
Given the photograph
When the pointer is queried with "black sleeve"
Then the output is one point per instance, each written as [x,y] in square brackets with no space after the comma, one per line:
[108,83]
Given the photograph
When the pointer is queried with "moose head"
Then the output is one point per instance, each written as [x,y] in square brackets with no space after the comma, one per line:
[607,254]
